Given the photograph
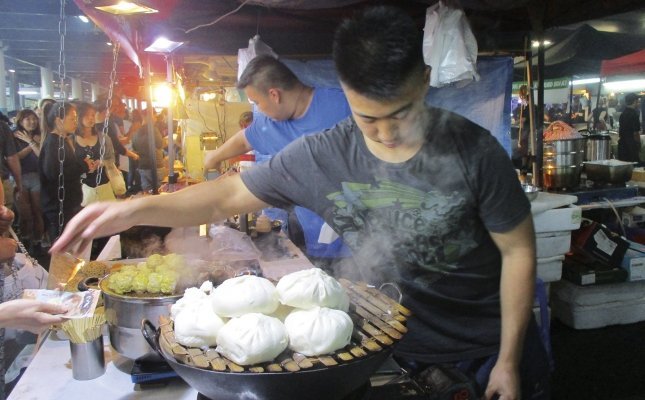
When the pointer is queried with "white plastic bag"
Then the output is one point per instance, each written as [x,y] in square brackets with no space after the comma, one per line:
[116,178]
[256,47]
[26,276]
[449,46]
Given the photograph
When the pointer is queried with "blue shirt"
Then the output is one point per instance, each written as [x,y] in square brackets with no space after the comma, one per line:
[268,136]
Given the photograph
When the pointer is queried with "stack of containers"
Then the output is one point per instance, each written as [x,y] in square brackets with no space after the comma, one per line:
[554,217]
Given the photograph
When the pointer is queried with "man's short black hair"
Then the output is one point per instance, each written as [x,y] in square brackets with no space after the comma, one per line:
[265,72]
[377,52]
[630,98]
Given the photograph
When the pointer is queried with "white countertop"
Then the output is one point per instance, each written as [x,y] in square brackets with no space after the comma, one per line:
[49,376]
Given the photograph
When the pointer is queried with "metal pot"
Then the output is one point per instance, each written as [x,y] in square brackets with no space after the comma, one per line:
[562,162]
[331,383]
[598,147]
[124,315]
[609,171]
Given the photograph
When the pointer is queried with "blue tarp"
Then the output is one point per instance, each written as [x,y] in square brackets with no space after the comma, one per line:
[486,102]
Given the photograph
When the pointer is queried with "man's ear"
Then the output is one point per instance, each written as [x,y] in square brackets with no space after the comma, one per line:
[275,95]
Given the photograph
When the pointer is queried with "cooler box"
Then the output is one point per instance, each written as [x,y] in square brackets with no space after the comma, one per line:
[550,269]
[592,307]
[558,219]
[555,213]
[550,244]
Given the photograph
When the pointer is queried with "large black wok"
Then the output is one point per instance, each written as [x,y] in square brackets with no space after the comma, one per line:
[331,383]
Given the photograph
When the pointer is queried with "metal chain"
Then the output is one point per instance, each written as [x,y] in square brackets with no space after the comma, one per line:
[23,250]
[104,131]
[62,73]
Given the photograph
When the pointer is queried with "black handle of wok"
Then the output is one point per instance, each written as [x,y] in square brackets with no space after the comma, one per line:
[150,334]
[87,283]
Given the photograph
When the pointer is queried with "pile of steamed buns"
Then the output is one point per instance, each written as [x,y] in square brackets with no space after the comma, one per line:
[251,320]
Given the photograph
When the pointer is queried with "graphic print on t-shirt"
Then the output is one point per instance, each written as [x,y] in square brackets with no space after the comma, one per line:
[401,223]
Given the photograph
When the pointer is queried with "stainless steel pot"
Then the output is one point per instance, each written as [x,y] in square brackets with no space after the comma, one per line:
[562,162]
[124,315]
[609,171]
[598,147]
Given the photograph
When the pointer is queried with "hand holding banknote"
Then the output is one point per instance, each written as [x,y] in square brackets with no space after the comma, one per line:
[31,315]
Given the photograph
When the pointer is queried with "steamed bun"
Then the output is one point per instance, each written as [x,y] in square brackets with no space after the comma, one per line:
[244,294]
[252,338]
[311,288]
[318,331]
[197,325]
[192,295]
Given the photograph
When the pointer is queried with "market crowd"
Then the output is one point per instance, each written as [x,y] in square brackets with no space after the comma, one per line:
[105,158]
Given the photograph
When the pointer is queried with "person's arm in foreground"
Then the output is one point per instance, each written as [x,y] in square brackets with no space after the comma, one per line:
[32,315]
[195,205]
[235,146]
[517,289]
[16,171]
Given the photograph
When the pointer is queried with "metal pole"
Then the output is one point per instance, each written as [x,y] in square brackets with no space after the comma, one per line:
[3,82]
[539,128]
[151,128]
[172,179]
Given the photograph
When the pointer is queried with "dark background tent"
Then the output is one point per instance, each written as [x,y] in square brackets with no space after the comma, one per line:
[297,28]
[582,52]
[633,63]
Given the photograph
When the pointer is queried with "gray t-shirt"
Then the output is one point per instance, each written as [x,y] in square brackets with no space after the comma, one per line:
[422,223]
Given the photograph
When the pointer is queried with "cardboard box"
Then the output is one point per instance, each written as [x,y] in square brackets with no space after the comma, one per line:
[634,262]
[585,271]
[600,242]
[558,219]
[634,218]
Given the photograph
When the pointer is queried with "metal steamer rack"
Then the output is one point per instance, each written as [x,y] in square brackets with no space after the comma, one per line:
[378,324]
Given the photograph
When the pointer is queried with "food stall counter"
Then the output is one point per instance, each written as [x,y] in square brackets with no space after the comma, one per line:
[49,377]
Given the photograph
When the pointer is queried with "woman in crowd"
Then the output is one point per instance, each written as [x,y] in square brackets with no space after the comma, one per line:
[87,148]
[62,120]
[28,140]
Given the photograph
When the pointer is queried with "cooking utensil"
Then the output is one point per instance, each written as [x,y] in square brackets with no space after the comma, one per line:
[291,376]
[530,191]
[325,383]
[598,147]
[562,162]
[609,171]
[124,315]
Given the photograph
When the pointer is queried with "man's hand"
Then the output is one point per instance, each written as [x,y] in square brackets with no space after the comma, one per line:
[96,220]
[504,381]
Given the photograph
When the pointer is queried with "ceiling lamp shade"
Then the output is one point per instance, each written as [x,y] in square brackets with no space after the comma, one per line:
[127,8]
[163,45]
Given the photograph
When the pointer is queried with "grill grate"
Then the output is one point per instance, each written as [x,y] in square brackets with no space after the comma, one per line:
[379,322]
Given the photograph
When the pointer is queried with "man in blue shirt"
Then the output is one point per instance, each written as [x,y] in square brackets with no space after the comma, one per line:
[285,109]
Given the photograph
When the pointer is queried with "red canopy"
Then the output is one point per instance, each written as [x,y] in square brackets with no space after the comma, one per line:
[629,64]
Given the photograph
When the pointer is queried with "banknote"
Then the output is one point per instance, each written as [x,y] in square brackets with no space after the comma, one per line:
[78,304]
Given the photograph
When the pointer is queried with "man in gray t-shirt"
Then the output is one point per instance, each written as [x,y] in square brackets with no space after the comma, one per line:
[424,198]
